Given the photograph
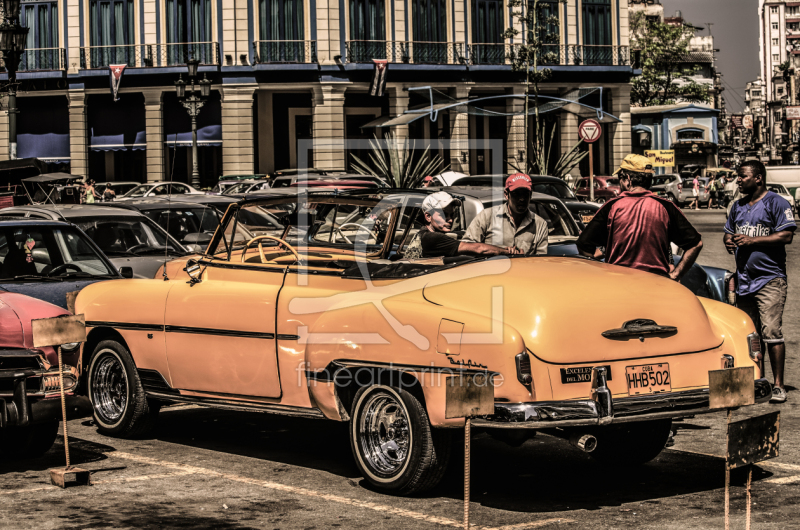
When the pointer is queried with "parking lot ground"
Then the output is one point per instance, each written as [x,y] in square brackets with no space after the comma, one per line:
[207,468]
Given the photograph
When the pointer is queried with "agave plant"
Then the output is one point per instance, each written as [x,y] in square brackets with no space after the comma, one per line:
[392,162]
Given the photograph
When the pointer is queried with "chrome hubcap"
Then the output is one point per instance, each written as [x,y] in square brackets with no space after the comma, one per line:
[109,389]
[385,434]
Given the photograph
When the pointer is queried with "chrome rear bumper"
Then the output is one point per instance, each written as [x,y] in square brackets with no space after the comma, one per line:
[603,410]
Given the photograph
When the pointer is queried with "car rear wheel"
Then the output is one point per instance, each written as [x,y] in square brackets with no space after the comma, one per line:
[118,399]
[631,444]
[28,442]
[393,443]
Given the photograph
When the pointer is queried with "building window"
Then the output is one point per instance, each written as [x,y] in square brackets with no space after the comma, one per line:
[549,31]
[774,42]
[429,30]
[776,57]
[775,26]
[42,19]
[690,134]
[367,24]
[487,31]
[112,32]
[189,31]
[281,25]
[792,11]
[773,9]
[597,32]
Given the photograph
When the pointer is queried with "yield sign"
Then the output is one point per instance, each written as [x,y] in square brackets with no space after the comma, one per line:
[590,131]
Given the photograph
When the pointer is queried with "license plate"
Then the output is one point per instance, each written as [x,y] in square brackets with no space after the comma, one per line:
[586,218]
[648,379]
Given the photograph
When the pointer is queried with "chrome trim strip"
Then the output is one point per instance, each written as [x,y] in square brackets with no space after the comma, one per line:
[223,332]
[283,410]
[643,359]
[124,325]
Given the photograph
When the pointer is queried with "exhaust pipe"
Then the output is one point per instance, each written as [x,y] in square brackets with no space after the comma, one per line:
[585,442]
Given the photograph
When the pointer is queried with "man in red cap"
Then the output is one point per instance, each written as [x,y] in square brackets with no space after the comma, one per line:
[511,224]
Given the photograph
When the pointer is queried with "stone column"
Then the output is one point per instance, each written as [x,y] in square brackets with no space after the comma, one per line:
[237,130]
[330,25]
[516,130]
[154,133]
[329,151]
[568,124]
[398,104]
[76,101]
[459,134]
[621,141]
[74,17]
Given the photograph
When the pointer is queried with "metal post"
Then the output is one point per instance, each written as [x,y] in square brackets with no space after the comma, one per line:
[12,116]
[467,436]
[195,172]
[728,482]
[63,405]
[591,172]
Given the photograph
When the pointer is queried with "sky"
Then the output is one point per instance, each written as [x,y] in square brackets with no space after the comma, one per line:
[735,30]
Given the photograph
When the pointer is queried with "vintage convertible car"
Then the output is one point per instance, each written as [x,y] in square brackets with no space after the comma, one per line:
[335,329]
[30,395]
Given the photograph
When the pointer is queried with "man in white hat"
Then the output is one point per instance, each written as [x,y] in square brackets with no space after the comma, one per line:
[435,239]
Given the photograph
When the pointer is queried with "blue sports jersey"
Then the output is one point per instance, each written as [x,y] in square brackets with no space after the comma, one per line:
[756,265]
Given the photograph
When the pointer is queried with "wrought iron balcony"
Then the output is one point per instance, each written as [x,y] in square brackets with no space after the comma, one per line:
[133,55]
[551,54]
[364,51]
[41,59]
[179,53]
[285,51]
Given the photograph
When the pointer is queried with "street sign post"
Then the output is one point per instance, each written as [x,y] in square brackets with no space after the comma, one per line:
[590,131]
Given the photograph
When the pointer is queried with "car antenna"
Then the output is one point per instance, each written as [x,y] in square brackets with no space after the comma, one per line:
[169,209]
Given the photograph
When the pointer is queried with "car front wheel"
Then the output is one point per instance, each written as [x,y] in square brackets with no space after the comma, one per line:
[393,443]
[118,399]
[631,444]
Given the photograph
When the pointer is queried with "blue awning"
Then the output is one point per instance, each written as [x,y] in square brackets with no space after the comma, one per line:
[178,124]
[43,128]
[116,125]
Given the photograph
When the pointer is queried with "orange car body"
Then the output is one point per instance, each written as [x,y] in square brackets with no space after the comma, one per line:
[278,336]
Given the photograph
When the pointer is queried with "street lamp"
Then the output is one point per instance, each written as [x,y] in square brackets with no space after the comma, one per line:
[12,46]
[193,100]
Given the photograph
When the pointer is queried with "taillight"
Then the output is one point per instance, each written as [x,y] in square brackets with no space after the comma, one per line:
[730,285]
[524,374]
[680,187]
[754,345]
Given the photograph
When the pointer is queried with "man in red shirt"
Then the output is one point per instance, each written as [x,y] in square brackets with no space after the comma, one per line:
[637,227]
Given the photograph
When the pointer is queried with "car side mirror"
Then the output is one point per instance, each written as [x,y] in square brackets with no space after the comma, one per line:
[126,272]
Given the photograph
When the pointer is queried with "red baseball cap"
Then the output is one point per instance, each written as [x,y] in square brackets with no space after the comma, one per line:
[518,180]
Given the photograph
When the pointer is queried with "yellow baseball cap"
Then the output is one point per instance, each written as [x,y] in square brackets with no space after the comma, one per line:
[637,163]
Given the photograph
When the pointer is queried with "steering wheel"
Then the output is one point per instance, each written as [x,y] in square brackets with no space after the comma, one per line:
[280,241]
[358,227]
[64,266]
[140,245]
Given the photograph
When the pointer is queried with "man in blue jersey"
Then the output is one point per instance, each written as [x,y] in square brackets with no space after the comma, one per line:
[759,227]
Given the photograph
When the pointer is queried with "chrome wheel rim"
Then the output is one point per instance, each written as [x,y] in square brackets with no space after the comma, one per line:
[385,434]
[109,388]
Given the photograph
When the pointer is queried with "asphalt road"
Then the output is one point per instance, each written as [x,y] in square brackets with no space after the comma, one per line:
[207,468]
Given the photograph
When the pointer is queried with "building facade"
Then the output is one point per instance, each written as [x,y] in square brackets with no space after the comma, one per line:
[283,71]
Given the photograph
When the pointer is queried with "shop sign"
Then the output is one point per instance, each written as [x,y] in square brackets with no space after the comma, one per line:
[661,158]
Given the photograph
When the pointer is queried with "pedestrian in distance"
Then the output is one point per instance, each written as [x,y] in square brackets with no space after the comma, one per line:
[712,188]
[511,224]
[759,227]
[109,194]
[637,227]
[436,239]
[695,204]
[88,193]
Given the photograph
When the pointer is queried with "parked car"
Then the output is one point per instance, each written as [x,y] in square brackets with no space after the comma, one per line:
[128,238]
[581,209]
[225,181]
[368,180]
[781,190]
[604,188]
[47,259]
[334,329]
[668,186]
[686,196]
[244,187]
[448,178]
[30,392]
[155,189]
[120,188]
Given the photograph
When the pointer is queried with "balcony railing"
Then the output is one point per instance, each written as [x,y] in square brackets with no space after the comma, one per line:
[133,55]
[285,51]
[180,52]
[364,51]
[552,54]
[42,59]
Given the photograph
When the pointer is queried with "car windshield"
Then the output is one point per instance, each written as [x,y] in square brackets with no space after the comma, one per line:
[560,224]
[181,222]
[128,235]
[28,252]
[138,191]
[612,182]
[658,181]
[554,189]
[777,188]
